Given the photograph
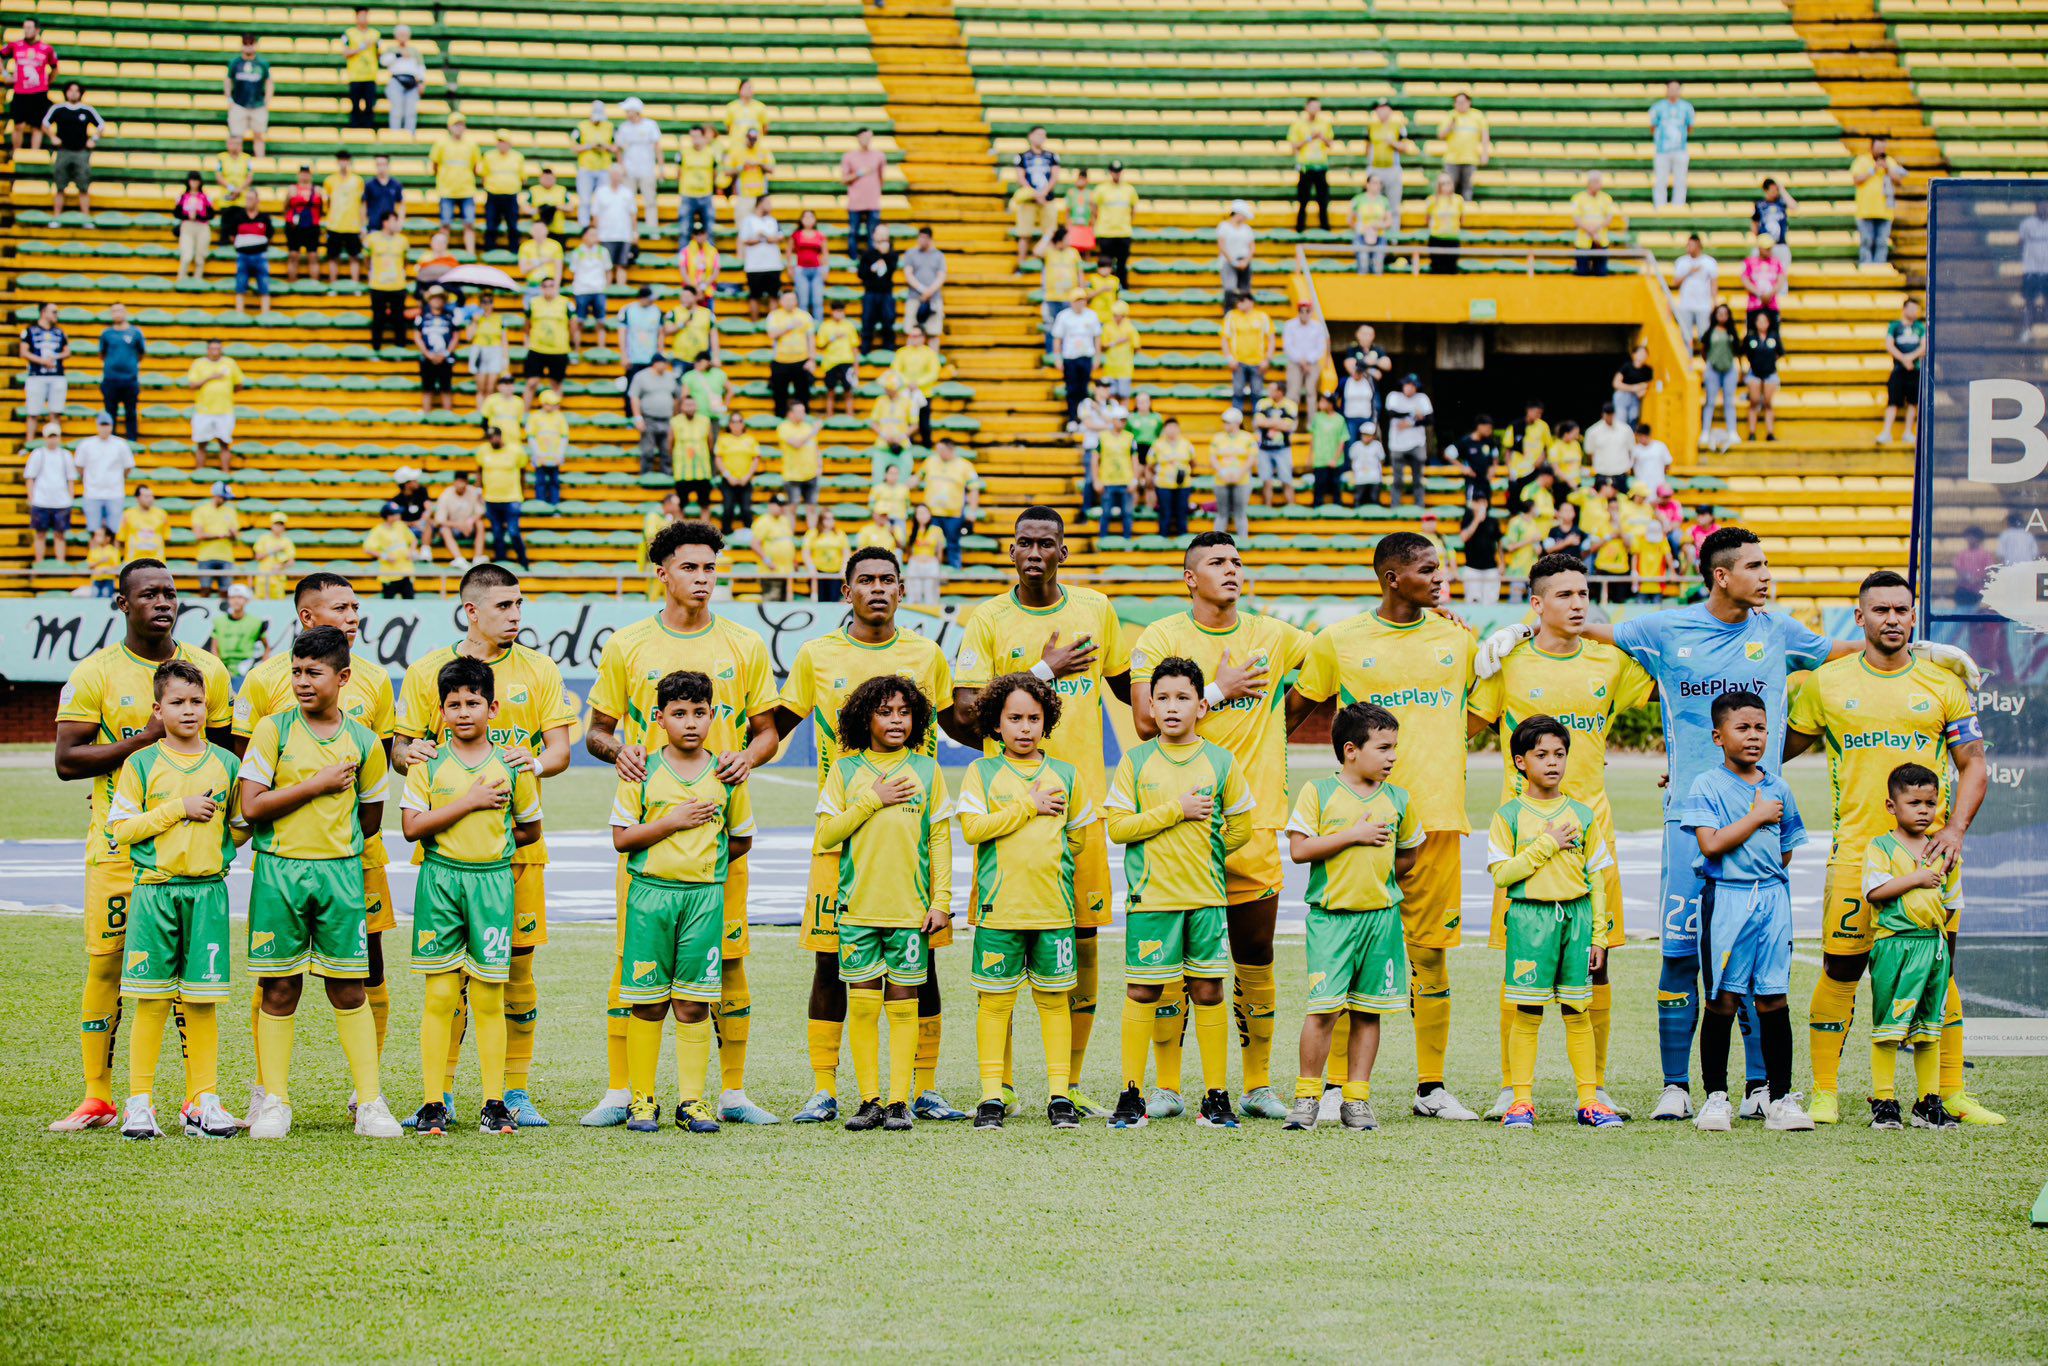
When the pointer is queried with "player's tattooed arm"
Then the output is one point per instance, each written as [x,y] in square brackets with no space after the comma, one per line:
[602,743]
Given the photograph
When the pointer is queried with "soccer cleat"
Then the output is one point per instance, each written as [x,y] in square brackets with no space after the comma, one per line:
[1086,1106]
[614,1109]
[210,1119]
[1521,1115]
[1674,1103]
[374,1120]
[497,1119]
[141,1119]
[932,1105]
[433,1118]
[1597,1116]
[1600,1094]
[1438,1103]
[1502,1103]
[1165,1104]
[988,1115]
[695,1117]
[1756,1104]
[1967,1109]
[523,1112]
[1304,1115]
[868,1116]
[274,1120]
[1062,1113]
[1131,1111]
[1010,1106]
[1826,1108]
[1331,1107]
[92,1113]
[644,1116]
[821,1108]
[897,1119]
[1357,1116]
[1884,1114]
[1261,1103]
[447,1104]
[734,1106]
[1787,1115]
[1717,1116]
[256,1094]
[1216,1112]
[1929,1113]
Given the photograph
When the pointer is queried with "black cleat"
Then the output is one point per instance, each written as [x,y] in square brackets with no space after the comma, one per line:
[988,1115]
[497,1119]
[869,1116]
[1130,1110]
[1884,1114]
[898,1119]
[1062,1113]
[1216,1112]
[433,1118]
[1930,1113]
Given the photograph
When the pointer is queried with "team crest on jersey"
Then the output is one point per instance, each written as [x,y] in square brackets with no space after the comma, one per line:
[1685,652]
[991,961]
[1535,693]
[1753,649]
[643,972]
[1902,1009]
[137,958]
[1524,967]
[1315,979]
[517,696]
[726,673]
[426,938]
[126,700]
[1369,661]
[1852,704]
[838,684]
[1149,948]
[1444,657]
[1918,702]
[259,941]
[1599,690]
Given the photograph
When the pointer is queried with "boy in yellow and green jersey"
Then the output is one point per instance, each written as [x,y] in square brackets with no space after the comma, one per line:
[1917,894]
[679,825]
[1180,806]
[172,811]
[1358,833]
[312,786]
[1544,851]
[1024,814]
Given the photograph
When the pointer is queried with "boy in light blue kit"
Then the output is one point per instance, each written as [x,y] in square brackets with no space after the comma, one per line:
[1747,825]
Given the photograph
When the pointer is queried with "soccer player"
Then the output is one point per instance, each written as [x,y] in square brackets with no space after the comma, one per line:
[1915,889]
[172,812]
[1544,852]
[1746,826]
[884,810]
[531,725]
[1197,811]
[1875,710]
[1416,662]
[1246,656]
[685,634]
[1585,685]
[1360,834]
[1026,816]
[469,806]
[678,827]
[311,786]
[105,714]
[824,674]
[1070,638]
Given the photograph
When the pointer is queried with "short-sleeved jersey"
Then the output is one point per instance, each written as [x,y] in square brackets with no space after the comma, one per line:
[698,854]
[1717,799]
[1181,868]
[285,749]
[1584,690]
[481,837]
[890,870]
[1695,657]
[1422,673]
[1565,876]
[636,658]
[1360,878]
[1873,721]
[531,702]
[828,669]
[113,689]
[1923,910]
[1025,880]
[155,776]
[1253,729]
[1004,636]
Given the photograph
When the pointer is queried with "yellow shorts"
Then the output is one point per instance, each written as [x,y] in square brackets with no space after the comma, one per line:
[379,914]
[108,890]
[1035,220]
[1253,871]
[739,940]
[820,932]
[1610,877]
[529,905]
[1431,894]
[1847,926]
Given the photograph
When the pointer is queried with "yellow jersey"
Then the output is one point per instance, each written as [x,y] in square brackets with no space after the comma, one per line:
[920,368]
[365,698]
[285,749]
[547,436]
[700,853]
[392,548]
[344,202]
[500,466]
[593,141]
[1060,275]
[143,532]
[1312,139]
[546,196]
[1584,690]
[827,551]
[1422,673]
[103,562]
[793,341]
[359,65]
[454,162]
[690,457]
[217,381]
[946,483]
[1113,457]
[739,455]
[547,325]
[1598,208]
[827,670]
[740,115]
[1004,636]
[837,339]
[1443,215]
[1173,461]
[1172,863]
[891,417]
[1383,139]
[871,536]
[275,552]
[540,258]
[775,543]
[1568,458]
[1463,135]
[1520,831]
[216,525]
[146,814]
[636,658]
[1023,861]
[799,443]
[698,169]
[1230,457]
[1360,878]
[1120,343]
[1921,911]
[504,172]
[237,172]
[1871,201]
[1115,202]
[692,332]
[387,251]
[895,862]
[750,170]
[481,838]
[1247,336]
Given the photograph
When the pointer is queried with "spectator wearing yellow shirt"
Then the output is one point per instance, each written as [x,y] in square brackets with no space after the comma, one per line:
[1231,453]
[797,437]
[1443,220]
[1311,137]
[1386,141]
[144,528]
[653,524]
[922,544]
[1116,204]
[1566,456]
[745,112]
[1120,345]
[690,434]
[1059,276]
[1877,178]
[890,499]
[952,490]
[490,350]
[499,463]
[547,338]
[234,175]
[387,250]
[838,356]
[774,534]
[390,544]
[595,153]
[344,221]
[540,258]
[825,551]
[698,263]
[749,166]
[1113,471]
[1247,341]
[359,69]
[878,532]
[275,556]
[504,175]
[793,356]
[1468,143]
[692,330]
[455,159]
[738,457]
[215,377]
[102,562]
[549,200]
[216,528]
[697,168]
[547,446]
[1595,220]
[919,366]
[1173,465]
[893,413]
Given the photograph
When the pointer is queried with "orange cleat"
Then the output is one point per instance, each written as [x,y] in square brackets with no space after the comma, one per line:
[92,1113]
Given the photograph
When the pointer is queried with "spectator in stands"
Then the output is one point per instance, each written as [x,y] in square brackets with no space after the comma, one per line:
[775,547]
[2033,235]
[750,166]
[877,269]
[1632,385]
[1905,342]
[1377,365]
[1172,462]
[614,213]
[809,261]
[825,550]
[952,494]
[889,502]
[237,638]
[1877,178]
[924,285]
[304,207]
[75,129]
[216,529]
[708,383]
[121,347]
[434,335]
[1762,349]
[861,168]
[192,211]
[1098,414]
[456,158]
[1386,141]
[252,256]
[1247,343]
[31,63]
[383,195]
[275,556]
[837,357]
[1479,540]
[698,162]
[547,446]
[1368,457]
[1145,426]
[458,521]
[738,457]
[1059,277]
[1719,344]
[490,351]
[1468,144]
[1235,245]
[1111,478]
[102,562]
[386,249]
[1311,138]
[50,475]
[1476,456]
[641,328]
[590,275]
[922,572]
[503,169]
[235,176]
[249,87]
[547,339]
[1763,275]
[1595,219]
[359,69]
[595,153]
[1610,445]
[144,528]
[1327,438]
[1358,394]
[919,367]
[1671,120]
[1564,536]
[1231,461]
[412,500]
[1076,336]
[1120,344]
[638,139]
[1771,217]
[744,112]
[390,546]
[796,436]
[1274,422]
[1033,202]
[540,258]
[1649,459]
[760,239]
[215,377]
[1373,221]
[1115,210]
[44,349]
[501,462]
[690,437]
[405,70]
[1305,346]
[1443,220]
[343,216]
[697,262]
[1698,277]
[692,330]
[1409,413]
[651,396]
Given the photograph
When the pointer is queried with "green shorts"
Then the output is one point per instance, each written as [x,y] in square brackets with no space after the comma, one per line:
[1165,946]
[870,951]
[1548,959]
[307,912]
[177,941]
[673,931]
[462,919]
[1003,957]
[1908,987]
[1357,960]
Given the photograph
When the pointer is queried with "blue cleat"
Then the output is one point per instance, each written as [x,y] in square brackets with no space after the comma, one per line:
[694,1116]
[522,1108]
[646,1116]
[735,1108]
[1598,1116]
[932,1105]
[821,1108]
[614,1109]
[412,1121]
[1520,1115]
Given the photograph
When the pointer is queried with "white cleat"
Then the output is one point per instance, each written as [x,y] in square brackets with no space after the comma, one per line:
[210,1119]
[374,1120]
[1600,1094]
[1675,1103]
[1717,1116]
[140,1121]
[1441,1104]
[274,1120]
[256,1095]
[1501,1103]
[1757,1103]
[1330,1108]
[1787,1114]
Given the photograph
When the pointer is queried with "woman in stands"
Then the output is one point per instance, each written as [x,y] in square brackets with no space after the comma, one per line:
[1762,350]
[1720,343]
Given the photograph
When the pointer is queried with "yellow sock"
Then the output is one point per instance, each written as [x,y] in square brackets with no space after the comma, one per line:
[1141,1019]
[906,1035]
[1358,1090]
[1827,1029]
[522,1018]
[437,1026]
[1010,1061]
[1884,1071]
[1601,1013]
[1253,1000]
[643,1055]
[146,1048]
[991,1032]
[926,1054]
[1056,1032]
[99,1021]
[463,1011]
[735,1018]
[1430,980]
[487,1009]
[1169,1035]
[274,1034]
[1578,1048]
[826,1036]
[202,1049]
[1212,1041]
[1952,1041]
[1522,1052]
[1507,1032]
[358,1030]
[1927,1064]
[693,1056]
[1081,1005]
[1338,1068]
[378,997]
[255,1015]
[617,1068]
[864,1031]
[1304,1087]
